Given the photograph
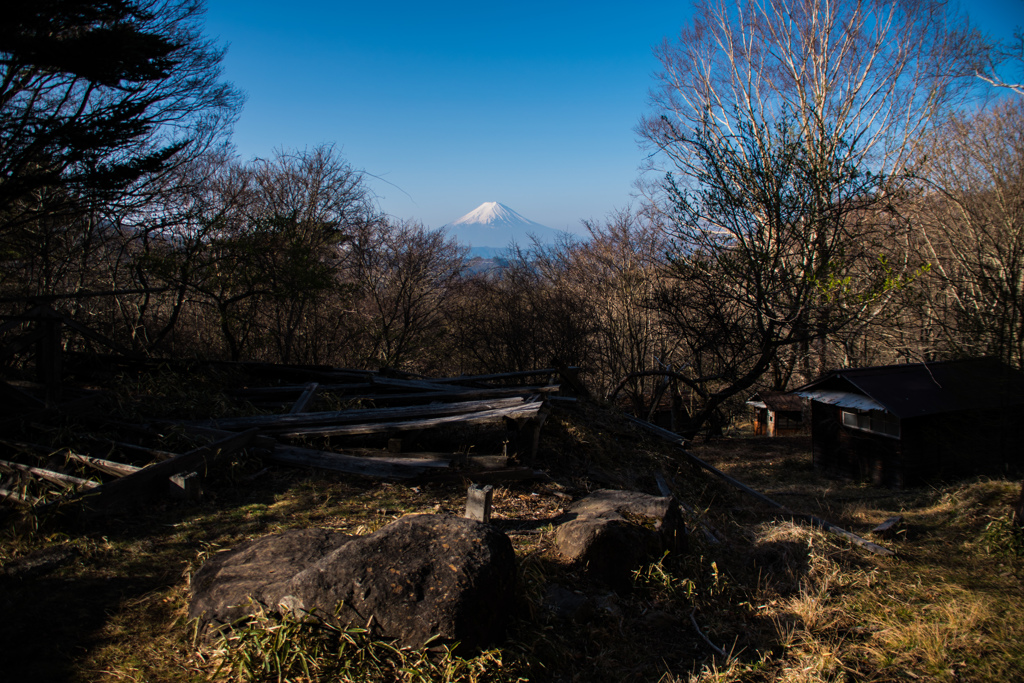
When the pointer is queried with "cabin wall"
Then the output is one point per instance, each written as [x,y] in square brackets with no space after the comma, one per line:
[786,422]
[930,448]
[844,452]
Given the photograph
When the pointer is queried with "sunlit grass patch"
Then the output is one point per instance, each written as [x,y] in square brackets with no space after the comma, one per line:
[282,648]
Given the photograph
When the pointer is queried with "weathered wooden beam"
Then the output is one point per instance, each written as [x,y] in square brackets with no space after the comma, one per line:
[56,477]
[95,336]
[372,466]
[478,502]
[481,417]
[427,385]
[453,393]
[337,417]
[20,398]
[139,483]
[7,494]
[117,469]
[501,375]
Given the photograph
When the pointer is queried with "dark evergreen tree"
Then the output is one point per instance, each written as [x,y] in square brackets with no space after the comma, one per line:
[98,94]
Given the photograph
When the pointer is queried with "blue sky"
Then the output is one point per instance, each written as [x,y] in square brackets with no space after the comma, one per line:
[452,104]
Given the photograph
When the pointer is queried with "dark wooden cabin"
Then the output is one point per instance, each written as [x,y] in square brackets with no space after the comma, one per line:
[777,413]
[903,425]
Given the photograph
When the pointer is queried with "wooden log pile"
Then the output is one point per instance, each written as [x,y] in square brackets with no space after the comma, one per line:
[357,422]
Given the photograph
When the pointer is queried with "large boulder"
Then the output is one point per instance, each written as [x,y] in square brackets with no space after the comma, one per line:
[611,533]
[235,583]
[420,577]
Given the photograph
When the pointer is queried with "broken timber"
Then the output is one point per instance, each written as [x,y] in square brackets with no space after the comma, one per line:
[480,417]
[814,521]
[284,424]
[369,466]
[142,481]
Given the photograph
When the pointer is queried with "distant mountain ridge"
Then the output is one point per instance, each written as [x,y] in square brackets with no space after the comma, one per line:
[494,226]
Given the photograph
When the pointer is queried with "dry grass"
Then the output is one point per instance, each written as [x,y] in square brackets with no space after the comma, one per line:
[785,602]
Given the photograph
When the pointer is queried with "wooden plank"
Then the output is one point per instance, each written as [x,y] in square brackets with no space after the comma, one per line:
[811,519]
[287,393]
[336,417]
[49,475]
[7,494]
[138,483]
[117,469]
[481,417]
[308,394]
[501,375]
[377,467]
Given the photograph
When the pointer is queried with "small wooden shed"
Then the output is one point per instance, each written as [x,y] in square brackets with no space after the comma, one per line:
[903,425]
[777,413]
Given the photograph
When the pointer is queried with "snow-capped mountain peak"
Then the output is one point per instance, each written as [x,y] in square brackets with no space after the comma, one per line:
[494,214]
[492,224]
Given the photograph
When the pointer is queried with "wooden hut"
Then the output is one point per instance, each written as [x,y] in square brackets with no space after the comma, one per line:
[777,413]
[902,425]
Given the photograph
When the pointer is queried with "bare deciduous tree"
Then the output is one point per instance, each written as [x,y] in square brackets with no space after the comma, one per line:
[403,273]
[972,232]
[786,128]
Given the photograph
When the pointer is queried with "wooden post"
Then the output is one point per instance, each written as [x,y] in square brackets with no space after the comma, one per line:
[186,486]
[478,503]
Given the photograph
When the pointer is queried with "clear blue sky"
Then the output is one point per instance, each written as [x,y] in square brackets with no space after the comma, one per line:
[451,104]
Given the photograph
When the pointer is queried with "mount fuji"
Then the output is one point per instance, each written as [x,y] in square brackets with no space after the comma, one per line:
[492,227]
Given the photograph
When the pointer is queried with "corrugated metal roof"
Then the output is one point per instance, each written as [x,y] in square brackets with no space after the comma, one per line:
[843,399]
[918,389]
[776,400]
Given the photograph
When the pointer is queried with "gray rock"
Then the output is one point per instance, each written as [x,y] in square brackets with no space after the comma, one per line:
[419,577]
[611,533]
[233,584]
